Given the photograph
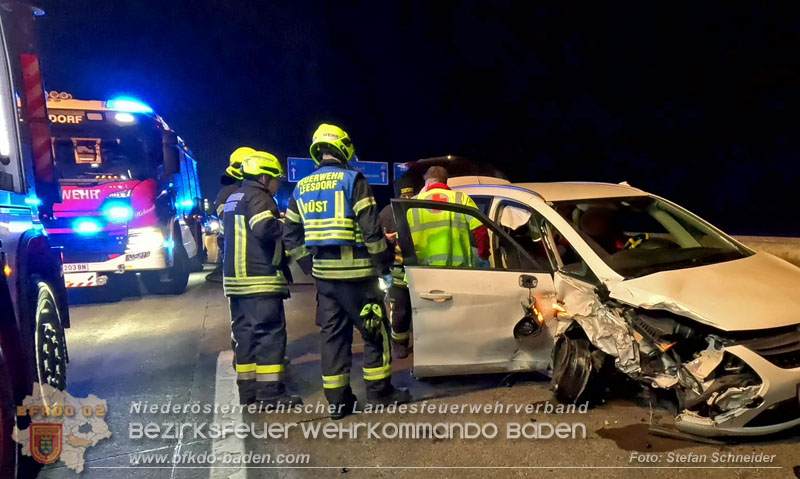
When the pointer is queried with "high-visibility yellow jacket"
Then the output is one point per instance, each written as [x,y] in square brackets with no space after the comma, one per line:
[443,238]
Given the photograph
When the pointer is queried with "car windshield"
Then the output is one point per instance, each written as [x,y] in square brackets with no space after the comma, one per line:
[644,235]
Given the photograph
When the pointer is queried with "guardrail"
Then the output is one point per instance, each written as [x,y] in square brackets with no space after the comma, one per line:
[786,248]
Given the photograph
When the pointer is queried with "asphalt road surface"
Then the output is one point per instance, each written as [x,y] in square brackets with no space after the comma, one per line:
[176,350]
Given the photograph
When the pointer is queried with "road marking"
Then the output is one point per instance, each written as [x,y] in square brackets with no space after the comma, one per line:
[226,392]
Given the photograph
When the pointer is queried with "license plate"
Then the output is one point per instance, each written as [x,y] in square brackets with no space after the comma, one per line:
[75,267]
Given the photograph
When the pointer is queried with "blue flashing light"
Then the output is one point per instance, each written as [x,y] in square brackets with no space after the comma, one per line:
[187,203]
[128,104]
[169,244]
[118,213]
[33,201]
[124,117]
[86,226]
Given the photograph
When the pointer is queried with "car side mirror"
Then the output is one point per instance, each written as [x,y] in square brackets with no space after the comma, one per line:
[528,282]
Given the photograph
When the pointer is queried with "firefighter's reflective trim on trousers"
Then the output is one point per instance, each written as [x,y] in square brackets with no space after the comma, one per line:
[376,247]
[364,203]
[334,382]
[292,216]
[257,218]
[246,372]
[401,336]
[385,369]
[240,238]
[270,372]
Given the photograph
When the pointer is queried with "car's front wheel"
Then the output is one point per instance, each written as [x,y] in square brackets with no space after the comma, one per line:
[573,369]
[172,281]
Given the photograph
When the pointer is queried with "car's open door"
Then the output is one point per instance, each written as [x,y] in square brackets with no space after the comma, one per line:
[465,318]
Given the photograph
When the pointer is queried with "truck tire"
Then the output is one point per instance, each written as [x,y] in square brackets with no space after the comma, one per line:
[174,279]
[49,340]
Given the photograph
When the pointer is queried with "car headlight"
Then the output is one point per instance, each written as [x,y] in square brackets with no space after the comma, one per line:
[145,239]
[118,212]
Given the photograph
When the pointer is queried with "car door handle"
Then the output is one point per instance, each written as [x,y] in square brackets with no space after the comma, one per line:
[437,296]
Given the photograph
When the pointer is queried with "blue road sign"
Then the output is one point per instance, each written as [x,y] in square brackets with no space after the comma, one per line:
[376,172]
[299,168]
[400,169]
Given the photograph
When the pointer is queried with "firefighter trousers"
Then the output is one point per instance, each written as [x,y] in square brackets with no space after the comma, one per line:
[401,314]
[258,324]
[339,305]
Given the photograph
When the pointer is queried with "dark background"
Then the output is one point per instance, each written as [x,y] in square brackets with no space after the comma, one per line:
[697,103]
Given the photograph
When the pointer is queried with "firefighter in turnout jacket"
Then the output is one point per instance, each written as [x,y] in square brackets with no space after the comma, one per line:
[255,283]
[399,296]
[231,180]
[333,232]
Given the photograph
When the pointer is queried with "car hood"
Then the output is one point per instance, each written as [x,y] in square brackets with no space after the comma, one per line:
[757,292]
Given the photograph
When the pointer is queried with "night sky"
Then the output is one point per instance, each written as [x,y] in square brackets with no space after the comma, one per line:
[696,103]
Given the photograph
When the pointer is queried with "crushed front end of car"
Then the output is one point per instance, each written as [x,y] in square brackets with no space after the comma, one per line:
[742,383]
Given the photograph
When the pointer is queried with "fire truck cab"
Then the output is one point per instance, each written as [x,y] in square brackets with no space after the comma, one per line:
[131,195]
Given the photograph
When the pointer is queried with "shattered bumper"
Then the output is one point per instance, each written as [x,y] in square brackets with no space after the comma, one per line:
[778,400]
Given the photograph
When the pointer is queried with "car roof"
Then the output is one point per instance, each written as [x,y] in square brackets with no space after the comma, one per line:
[557,191]
[577,190]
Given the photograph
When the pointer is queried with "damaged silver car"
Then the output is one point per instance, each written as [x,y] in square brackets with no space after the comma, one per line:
[589,280]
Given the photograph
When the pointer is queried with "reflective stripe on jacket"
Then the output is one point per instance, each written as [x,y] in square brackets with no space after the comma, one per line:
[254,254]
[333,215]
[443,238]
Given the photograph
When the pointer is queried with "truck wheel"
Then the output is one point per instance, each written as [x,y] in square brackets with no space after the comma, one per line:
[49,339]
[174,279]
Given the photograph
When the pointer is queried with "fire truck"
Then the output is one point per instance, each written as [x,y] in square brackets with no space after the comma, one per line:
[33,300]
[131,195]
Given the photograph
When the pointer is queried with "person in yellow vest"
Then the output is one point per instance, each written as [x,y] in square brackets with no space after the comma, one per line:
[445,238]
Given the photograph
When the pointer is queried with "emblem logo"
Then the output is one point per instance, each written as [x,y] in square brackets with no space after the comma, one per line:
[45,442]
